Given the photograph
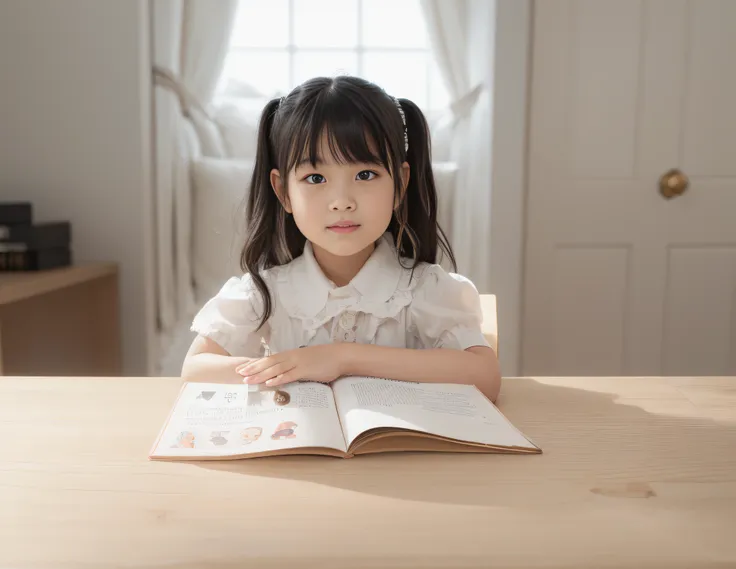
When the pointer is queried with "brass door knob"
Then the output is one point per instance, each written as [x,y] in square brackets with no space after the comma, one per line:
[673,183]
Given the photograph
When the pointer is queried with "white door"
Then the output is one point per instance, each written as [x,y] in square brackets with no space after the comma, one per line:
[620,280]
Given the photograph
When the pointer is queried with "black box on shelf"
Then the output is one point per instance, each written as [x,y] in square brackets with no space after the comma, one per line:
[49,235]
[16,213]
[25,246]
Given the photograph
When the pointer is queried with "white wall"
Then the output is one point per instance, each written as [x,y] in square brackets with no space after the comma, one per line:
[512,65]
[498,42]
[75,114]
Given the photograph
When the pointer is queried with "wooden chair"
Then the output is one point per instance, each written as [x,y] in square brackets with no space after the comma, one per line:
[489,327]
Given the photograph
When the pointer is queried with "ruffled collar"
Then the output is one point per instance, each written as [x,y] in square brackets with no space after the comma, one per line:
[305,290]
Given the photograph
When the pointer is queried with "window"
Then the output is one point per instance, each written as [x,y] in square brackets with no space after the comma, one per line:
[277,44]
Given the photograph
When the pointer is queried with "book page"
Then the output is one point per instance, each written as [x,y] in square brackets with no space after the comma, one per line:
[454,411]
[213,419]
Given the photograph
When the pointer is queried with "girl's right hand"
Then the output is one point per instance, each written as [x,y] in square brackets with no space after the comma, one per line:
[232,365]
[214,368]
[208,362]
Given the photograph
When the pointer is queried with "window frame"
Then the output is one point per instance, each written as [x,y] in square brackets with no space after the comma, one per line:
[360,50]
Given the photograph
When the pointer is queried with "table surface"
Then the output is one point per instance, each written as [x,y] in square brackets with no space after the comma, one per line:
[636,472]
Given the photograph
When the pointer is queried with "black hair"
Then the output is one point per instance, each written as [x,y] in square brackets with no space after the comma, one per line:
[352,113]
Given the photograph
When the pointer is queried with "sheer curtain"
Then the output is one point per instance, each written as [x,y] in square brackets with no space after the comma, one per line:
[469,147]
[190,43]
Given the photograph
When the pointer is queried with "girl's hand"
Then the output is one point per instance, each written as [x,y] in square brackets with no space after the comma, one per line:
[313,363]
[214,368]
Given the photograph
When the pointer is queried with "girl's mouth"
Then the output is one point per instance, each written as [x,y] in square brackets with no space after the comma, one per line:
[344,227]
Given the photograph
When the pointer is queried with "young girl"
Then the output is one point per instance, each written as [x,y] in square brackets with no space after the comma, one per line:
[340,254]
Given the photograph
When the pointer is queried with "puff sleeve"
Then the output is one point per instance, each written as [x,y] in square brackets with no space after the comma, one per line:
[231,318]
[446,312]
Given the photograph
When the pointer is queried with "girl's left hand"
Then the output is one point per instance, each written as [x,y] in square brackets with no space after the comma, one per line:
[312,363]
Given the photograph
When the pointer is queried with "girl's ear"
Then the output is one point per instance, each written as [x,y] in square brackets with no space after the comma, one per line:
[277,184]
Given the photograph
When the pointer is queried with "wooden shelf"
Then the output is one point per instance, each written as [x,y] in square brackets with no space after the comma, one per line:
[61,321]
[15,286]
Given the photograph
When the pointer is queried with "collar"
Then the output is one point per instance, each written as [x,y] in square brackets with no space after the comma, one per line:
[376,281]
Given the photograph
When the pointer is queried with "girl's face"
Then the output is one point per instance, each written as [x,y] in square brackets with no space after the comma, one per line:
[341,208]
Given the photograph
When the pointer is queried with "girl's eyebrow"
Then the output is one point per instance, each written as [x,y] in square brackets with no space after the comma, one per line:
[318,162]
[305,161]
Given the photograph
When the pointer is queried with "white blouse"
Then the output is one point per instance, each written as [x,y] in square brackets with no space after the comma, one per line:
[381,306]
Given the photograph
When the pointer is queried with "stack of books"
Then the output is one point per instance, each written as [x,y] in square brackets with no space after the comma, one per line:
[28,246]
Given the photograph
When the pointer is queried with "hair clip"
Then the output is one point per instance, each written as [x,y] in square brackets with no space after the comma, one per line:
[403,120]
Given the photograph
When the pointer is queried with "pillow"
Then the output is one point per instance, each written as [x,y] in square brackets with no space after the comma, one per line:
[219,188]
[238,125]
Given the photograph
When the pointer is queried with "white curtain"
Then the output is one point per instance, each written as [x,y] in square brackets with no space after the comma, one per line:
[469,232]
[190,43]
[206,30]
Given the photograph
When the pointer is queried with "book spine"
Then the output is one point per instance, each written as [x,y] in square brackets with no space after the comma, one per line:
[14,261]
[34,260]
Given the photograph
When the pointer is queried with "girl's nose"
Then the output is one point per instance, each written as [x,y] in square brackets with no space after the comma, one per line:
[342,203]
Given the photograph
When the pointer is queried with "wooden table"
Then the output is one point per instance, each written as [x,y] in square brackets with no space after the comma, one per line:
[635,473]
[60,322]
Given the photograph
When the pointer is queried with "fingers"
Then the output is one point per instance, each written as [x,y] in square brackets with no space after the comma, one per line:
[243,362]
[257,365]
[269,373]
[286,377]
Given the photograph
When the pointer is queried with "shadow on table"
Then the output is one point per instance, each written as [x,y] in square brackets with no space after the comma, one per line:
[591,442]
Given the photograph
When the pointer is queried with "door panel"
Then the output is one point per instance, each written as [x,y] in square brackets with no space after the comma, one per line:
[619,278]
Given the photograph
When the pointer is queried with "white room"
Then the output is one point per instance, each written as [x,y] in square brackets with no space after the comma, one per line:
[120,132]
[584,166]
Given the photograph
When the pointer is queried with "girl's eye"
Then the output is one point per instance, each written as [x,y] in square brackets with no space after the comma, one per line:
[315,179]
[366,175]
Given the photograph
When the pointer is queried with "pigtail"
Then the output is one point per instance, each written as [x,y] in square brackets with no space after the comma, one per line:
[417,229]
[266,219]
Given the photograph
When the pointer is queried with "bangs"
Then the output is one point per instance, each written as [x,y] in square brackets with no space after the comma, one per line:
[350,130]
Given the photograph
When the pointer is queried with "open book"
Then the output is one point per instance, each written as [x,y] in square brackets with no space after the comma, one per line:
[351,416]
